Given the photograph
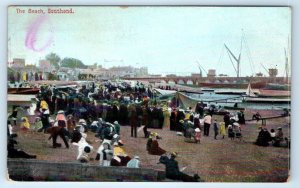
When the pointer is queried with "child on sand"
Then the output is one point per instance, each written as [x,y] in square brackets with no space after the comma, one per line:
[197,135]
[216,129]
[222,129]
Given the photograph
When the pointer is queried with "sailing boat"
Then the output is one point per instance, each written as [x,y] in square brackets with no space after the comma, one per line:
[260,98]
[250,92]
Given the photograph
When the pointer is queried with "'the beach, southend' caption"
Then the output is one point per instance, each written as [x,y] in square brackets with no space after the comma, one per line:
[45,10]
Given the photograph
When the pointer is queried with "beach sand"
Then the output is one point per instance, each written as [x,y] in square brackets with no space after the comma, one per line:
[221,160]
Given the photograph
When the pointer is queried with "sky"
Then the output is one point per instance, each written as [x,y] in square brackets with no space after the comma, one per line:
[164,39]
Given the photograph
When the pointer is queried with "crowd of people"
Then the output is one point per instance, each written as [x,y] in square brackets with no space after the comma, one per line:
[69,113]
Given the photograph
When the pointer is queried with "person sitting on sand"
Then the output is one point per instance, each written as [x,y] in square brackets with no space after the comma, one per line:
[16,153]
[120,157]
[237,130]
[108,139]
[263,137]
[10,133]
[84,149]
[273,134]
[25,125]
[134,163]
[38,124]
[172,169]
[256,116]
[154,147]
[278,137]
[107,154]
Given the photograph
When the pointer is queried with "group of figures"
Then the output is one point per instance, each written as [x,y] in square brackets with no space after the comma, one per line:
[69,113]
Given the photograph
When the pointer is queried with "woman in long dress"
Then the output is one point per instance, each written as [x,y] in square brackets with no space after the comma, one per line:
[167,115]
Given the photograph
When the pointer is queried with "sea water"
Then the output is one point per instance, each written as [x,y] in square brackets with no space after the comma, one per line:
[209,97]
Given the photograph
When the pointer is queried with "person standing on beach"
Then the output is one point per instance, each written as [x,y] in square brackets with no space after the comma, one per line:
[226,119]
[173,120]
[222,129]
[133,121]
[54,133]
[241,117]
[207,123]
[216,129]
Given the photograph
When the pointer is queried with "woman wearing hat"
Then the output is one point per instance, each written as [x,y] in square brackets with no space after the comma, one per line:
[61,119]
[25,125]
[207,123]
[120,157]
[166,114]
[173,120]
[84,149]
[38,123]
[154,148]
[149,141]
[180,116]
[278,137]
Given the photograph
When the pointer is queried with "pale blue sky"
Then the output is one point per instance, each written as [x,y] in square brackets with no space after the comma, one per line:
[165,39]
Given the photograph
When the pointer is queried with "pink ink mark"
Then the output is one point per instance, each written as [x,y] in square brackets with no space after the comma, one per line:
[32,34]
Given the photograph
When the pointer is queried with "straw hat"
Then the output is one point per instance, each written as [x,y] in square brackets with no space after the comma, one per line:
[174,154]
[153,135]
[120,142]
[60,112]
[82,121]
[236,124]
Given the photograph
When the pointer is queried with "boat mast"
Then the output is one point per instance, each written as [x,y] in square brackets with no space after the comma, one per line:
[287,59]
[286,65]
[201,68]
[238,60]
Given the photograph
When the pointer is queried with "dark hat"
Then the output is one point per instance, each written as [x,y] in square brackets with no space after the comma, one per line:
[87,149]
